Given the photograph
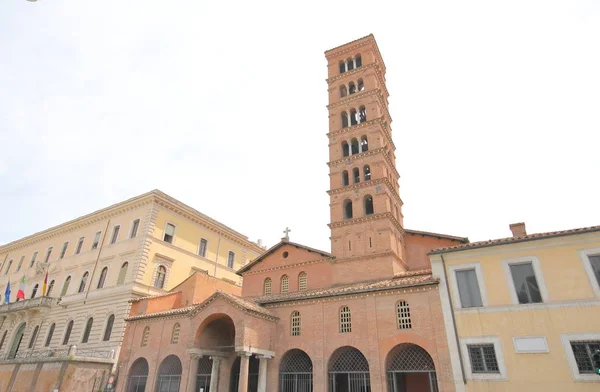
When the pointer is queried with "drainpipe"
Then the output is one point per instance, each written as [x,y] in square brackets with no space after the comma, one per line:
[96,263]
[216,257]
[460,357]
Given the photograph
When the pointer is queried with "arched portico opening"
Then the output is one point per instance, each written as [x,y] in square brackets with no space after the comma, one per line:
[410,368]
[348,371]
[295,372]
[216,333]
[252,375]
[138,376]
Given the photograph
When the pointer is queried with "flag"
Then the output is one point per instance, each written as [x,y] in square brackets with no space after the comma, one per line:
[21,292]
[45,284]
[7,293]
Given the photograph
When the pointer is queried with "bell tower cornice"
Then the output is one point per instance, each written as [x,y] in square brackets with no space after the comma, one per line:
[383,151]
[378,121]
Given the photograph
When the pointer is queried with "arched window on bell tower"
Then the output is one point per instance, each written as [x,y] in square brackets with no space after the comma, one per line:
[368,201]
[367,172]
[358,60]
[343,91]
[353,117]
[350,63]
[356,175]
[344,120]
[345,149]
[342,67]
[362,113]
[364,144]
[345,179]
[361,85]
[347,209]
[354,145]
[351,88]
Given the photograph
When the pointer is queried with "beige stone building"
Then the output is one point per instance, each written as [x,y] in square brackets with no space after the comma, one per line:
[95,265]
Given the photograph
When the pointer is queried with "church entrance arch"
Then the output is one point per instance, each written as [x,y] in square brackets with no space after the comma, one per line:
[410,369]
[252,375]
[348,371]
[217,332]
[295,372]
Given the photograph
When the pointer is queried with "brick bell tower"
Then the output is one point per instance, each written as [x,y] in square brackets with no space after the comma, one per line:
[366,209]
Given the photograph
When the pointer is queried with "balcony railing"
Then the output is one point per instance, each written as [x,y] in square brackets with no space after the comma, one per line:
[39,302]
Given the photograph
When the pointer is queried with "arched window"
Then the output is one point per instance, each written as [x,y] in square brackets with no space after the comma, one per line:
[296,372]
[354,145]
[362,113]
[169,374]
[49,335]
[342,67]
[68,332]
[35,289]
[138,376]
[349,369]
[353,117]
[65,286]
[50,287]
[347,209]
[403,315]
[175,333]
[102,277]
[161,274]
[8,267]
[345,148]
[302,281]
[83,282]
[344,116]
[345,320]
[3,339]
[16,342]
[358,60]
[345,179]
[351,88]
[350,63]
[122,273]
[364,144]
[367,172]
[356,175]
[87,330]
[361,85]
[34,336]
[295,323]
[285,283]
[267,288]
[369,205]
[343,91]
[109,327]
[145,336]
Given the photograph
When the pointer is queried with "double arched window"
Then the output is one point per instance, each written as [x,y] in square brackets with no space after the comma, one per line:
[350,63]
[267,286]
[351,88]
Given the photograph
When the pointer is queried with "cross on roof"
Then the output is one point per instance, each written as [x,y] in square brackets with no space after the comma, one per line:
[287,233]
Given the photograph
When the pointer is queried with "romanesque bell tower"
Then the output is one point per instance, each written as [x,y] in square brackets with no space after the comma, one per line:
[366,209]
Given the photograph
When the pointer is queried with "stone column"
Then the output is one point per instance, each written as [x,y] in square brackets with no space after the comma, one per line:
[214,374]
[192,375]
[262,373]
[244,368]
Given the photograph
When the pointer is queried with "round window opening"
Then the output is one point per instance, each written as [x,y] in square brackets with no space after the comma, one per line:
[285,255]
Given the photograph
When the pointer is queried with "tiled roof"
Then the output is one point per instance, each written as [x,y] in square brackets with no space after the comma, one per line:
[133,300]
[414,278]
[511,240]
[164,313]
[437,235]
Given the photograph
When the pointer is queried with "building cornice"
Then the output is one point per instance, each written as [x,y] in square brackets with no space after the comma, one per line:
[366,184]
[236,305]
[368,218]
[352,46]
[382,150]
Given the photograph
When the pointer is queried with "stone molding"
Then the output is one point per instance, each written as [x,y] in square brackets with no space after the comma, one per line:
[366,184]
[363,94]
[378,120]
[368,218]
[382,150]
[330,259]
[378,71]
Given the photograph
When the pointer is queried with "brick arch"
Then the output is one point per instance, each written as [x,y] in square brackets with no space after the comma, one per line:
[387,345]
[217,329]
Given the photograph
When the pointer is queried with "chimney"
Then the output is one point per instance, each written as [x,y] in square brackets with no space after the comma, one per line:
[518,229]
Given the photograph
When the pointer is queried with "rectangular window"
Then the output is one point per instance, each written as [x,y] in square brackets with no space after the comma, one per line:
[115,235]
[47,259]
[169,233]
[79,245]
[583,351]
[134,228]
[483,358]
[468,288]
[96,240]
[230,259]
[202,248]
[526,285]
[64,250]
[595,262]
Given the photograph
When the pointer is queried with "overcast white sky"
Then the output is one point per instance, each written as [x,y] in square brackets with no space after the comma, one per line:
[222,105]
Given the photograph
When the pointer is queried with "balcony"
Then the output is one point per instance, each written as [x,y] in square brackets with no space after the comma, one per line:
[38,303]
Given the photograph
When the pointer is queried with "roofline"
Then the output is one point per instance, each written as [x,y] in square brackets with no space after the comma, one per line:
[272,249]
[437,235]
[349,43]
[531,237]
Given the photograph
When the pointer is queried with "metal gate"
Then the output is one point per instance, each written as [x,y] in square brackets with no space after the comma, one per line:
[203,376]
[295,372]
[138,375]
[407,358]
[349,371]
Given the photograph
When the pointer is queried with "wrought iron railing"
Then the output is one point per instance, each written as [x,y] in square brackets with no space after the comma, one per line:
[27,304]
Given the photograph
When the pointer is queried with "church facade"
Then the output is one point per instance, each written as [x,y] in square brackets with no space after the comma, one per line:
[365,317]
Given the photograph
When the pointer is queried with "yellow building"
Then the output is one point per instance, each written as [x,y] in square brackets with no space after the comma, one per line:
[95,264]
[523,313]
